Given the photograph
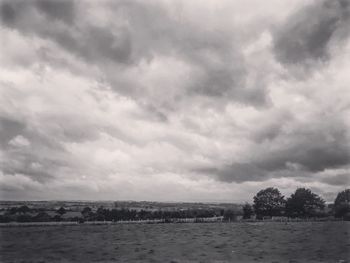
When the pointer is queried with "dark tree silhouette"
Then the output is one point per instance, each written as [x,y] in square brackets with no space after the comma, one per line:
[61,211]
[57,218]
[23,209]
[247,211]
[304,203]
[42,217]
[87,212]
[342,204]
[268,202]
[101,214]
[5,219]
[230,215]
[24,218]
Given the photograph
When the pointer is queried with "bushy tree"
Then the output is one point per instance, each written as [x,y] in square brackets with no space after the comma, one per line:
[87,212]
[5,219]
[61,211]
[57,218]
[42,217]
[304,203]
[342,204]
[24,218]
[247,211]
[23,209]
[101,214]
[230,215]
[268,202]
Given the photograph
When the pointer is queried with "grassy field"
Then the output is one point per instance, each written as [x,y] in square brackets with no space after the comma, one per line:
[215,242]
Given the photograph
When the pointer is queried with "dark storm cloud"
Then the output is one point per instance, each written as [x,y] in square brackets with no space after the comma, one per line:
[270,129]
[36,168]
[146,31]
[106,95]
[338,180]
[238,172]
[52,135]
[88,42]
[325,147]
[8,13]
[57,9]
[37,151]
[9,128]
[314,150]
[13,12]
[215,54]
[27,156]
[306,35]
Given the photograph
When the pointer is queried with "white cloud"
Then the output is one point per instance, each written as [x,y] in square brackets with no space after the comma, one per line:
[19,141]
[166,101]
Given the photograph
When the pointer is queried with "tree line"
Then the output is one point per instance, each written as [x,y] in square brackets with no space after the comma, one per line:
[25,214]
[303,203]
[267,203]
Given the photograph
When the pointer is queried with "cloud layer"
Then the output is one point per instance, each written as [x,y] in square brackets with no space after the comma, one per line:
[165,100]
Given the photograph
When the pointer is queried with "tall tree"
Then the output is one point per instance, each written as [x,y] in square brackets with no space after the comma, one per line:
[304,203]
[268,202]
[247,211]
[342,204]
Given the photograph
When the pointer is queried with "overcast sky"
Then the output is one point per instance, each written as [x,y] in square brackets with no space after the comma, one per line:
[173,100]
